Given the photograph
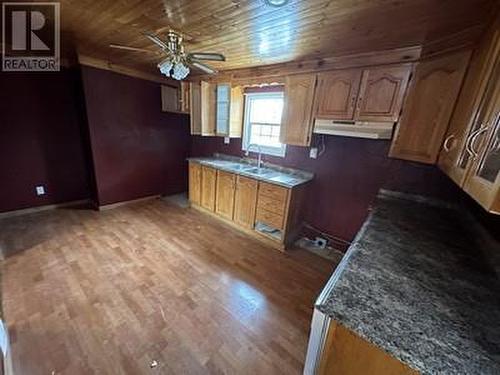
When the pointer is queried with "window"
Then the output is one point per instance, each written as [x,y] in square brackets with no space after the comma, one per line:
[263,123]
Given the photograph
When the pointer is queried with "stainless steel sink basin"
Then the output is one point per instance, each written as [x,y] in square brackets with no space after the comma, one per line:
[238,167]
[261,171]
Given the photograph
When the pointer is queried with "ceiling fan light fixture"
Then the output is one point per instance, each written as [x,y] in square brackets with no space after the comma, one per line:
[165,67]
[276,3]
[180,71]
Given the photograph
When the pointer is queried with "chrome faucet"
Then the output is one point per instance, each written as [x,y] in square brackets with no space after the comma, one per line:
[259,149]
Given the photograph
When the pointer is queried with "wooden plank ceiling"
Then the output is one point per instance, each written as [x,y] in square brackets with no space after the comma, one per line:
[252,33]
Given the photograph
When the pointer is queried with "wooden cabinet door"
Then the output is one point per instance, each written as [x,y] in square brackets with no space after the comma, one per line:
[195,183]
[336,94]
[223,100]
[454,155]
[245,202]
[170,101]
[483,174]
[382,92]
[208,186]
[296,124]
[224,205]
[208,107]
[346,353]
[195,108]
[236,112]
[428,108]
[185,97]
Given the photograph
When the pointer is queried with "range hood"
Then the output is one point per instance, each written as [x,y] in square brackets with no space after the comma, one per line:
[358,129]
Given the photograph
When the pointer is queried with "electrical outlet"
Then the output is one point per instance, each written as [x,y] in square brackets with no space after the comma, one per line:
[40,190]
[226,140]
[313,152]
[320,242]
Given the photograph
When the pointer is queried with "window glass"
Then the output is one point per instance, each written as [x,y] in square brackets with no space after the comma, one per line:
[263,113]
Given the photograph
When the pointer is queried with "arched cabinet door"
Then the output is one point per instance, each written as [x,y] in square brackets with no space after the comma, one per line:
[336,94]
[428,107]
[296,122]
[382,92]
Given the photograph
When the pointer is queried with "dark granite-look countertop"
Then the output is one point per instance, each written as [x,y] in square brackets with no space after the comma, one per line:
[417,283]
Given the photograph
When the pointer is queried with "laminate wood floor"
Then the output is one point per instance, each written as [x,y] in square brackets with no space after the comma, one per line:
[86,292]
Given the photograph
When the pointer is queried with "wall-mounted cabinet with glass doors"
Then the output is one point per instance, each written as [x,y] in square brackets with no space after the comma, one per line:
[471,149]
[216,109]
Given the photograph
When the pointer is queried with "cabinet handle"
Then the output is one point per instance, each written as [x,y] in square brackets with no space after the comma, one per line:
[474,137]
[359,103]
[467,143]
[446,142]
[353,102]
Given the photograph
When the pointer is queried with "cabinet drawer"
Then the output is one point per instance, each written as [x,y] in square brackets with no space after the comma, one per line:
[276,206]
[272,191]
[269,218]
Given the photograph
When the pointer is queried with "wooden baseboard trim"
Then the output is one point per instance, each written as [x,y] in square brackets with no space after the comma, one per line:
[31,210]
[123,203]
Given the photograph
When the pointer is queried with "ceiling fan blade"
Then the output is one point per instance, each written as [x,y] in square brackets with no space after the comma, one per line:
[205,68]
[157,41]
[207,56]
[135,49]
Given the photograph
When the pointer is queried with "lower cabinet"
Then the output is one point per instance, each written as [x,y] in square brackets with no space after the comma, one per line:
[224,201]
[271,212]
[195,183]
[272,205]
[245,202]
[348,354]
[208,181]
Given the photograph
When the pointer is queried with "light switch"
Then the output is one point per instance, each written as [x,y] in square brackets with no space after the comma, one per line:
[313,152]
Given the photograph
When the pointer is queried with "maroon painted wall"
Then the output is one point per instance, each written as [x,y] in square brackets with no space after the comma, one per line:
[347,178]
[137,150]
[41,139]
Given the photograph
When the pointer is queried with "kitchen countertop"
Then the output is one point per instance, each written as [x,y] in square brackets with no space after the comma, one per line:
[286,177]
[417,283]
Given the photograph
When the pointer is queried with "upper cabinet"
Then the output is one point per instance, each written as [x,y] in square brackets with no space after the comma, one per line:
[216,109]
[428,108]
[195,107]
[175,99]
[454,156]
[229,110]
[373,94]
[381,93]
[222,109]
[370,95]
[208,108]
[296,124]
[470,152]
[336,94]
[482,180]
[185,97]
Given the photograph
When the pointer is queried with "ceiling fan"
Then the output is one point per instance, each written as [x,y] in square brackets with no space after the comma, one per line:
[177,62]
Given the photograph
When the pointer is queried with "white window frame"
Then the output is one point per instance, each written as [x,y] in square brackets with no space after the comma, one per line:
[274,151]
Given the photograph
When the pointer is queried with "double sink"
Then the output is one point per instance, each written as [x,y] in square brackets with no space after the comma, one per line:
[262,173]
